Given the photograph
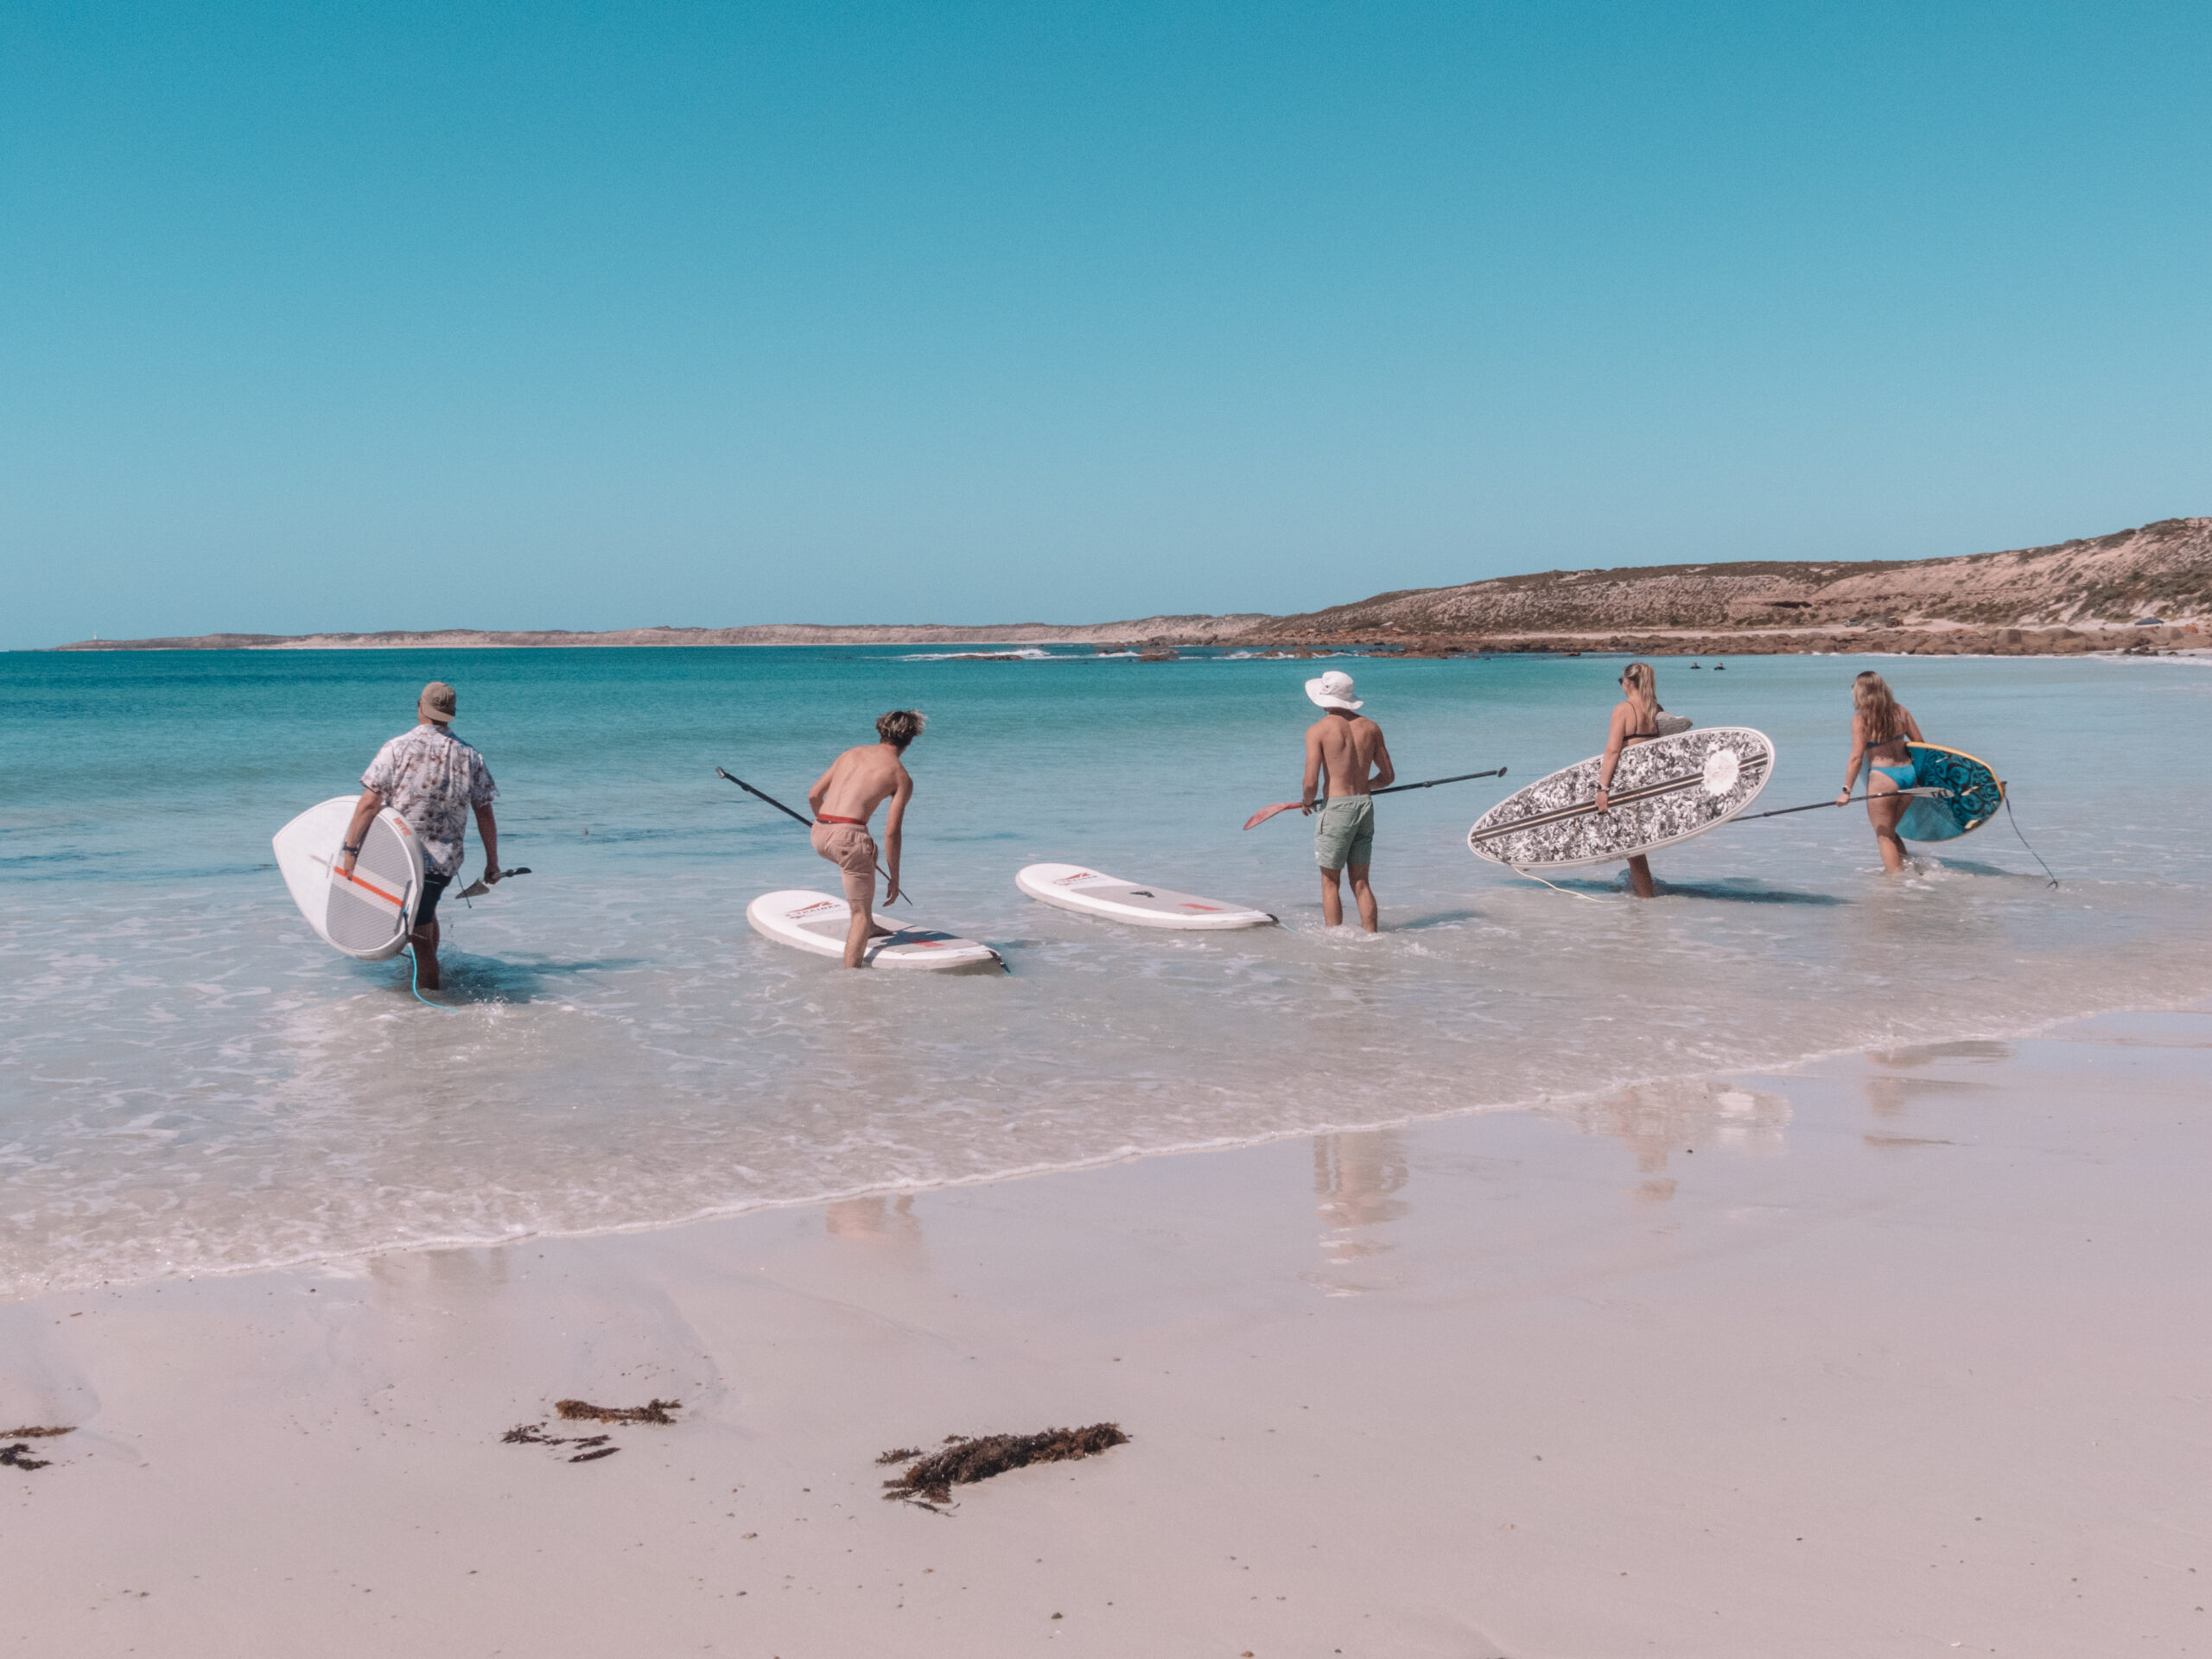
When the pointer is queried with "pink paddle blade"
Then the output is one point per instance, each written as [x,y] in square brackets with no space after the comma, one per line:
[1267,812]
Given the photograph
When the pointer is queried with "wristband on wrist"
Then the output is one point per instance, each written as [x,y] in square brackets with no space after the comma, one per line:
[351,846]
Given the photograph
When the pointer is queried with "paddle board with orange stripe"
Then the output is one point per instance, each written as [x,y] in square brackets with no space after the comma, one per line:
[368,913]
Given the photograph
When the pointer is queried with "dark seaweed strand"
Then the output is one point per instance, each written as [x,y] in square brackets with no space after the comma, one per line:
[965,1462]
[653,1411]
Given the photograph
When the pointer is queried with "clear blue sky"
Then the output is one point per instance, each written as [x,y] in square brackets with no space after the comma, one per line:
[357,316]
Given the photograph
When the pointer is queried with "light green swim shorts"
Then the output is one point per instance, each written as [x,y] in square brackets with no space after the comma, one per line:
[1343,832]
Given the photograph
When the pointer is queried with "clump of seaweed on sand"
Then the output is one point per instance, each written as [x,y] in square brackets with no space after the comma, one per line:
[582,1411]
[19,1455]
[590,1447]
[929,1480]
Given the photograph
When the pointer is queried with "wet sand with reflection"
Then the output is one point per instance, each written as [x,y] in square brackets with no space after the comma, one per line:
[1900,1351]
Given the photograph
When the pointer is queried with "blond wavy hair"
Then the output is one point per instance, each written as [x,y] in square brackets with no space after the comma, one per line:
[1873,701]
[1640,683]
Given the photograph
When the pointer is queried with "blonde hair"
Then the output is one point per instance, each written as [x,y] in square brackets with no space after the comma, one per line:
[1874,703]
[901,726]
[1642,687]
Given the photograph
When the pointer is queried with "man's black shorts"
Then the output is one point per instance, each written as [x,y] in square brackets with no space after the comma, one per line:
[434,886]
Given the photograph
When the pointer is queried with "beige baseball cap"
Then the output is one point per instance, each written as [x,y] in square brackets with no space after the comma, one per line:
[438,702]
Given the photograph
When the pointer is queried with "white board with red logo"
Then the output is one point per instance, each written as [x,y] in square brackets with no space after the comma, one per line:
[369,912]
[818,921]
[1092,893]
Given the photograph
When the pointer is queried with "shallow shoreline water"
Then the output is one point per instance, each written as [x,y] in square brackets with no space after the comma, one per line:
[194,1085]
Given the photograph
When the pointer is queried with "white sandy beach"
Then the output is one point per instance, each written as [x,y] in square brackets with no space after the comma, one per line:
[1732,1212]
[1902,1353]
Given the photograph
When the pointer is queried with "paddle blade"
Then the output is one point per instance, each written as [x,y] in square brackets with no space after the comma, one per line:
[479,887]
[1267,812]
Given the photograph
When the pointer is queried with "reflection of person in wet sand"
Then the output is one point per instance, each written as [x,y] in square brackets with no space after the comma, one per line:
[873,1218]
[842,798]
[1655,1121]
[1355,1178]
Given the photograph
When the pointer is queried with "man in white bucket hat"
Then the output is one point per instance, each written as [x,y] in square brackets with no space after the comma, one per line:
[1346,760]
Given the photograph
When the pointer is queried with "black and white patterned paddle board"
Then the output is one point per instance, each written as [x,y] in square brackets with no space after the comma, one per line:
[1665,791]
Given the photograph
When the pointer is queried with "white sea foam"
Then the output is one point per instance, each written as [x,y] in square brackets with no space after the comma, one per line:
[996,654]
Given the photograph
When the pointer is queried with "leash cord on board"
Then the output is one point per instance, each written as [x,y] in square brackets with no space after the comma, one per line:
[2015,822]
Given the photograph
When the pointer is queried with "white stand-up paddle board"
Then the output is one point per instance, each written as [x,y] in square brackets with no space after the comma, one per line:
[1665,791]
[816,922]
[1078,888]
[369,913]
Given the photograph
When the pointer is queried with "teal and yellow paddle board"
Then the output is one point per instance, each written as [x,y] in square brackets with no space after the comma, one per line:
[1975,793]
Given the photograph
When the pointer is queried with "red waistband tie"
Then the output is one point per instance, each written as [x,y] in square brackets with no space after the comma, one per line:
[823,817]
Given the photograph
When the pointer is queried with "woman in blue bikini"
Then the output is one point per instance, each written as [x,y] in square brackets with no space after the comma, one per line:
[1880,728]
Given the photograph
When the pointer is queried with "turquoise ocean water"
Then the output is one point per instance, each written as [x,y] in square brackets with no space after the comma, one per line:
[190,1082]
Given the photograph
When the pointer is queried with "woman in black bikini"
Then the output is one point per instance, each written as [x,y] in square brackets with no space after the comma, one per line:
[1634,717]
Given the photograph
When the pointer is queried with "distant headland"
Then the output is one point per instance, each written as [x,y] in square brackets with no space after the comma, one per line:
[2141,590]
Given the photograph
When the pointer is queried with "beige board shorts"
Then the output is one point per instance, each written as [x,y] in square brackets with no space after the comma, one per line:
[852,850]
[1343,832]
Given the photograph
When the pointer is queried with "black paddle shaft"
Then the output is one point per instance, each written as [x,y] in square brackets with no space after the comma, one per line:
[808,823]
[1399,789]
[1923,793]
[765,796]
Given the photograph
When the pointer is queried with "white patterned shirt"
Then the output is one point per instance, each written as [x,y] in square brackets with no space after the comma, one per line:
[432,779]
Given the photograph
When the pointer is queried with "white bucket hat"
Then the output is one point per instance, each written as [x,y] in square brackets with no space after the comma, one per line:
[1333,691]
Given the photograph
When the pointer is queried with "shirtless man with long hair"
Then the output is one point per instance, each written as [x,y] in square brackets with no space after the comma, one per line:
[1880,728]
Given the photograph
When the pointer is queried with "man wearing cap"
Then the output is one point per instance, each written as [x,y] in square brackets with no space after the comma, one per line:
[1346,748]
[432,779]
